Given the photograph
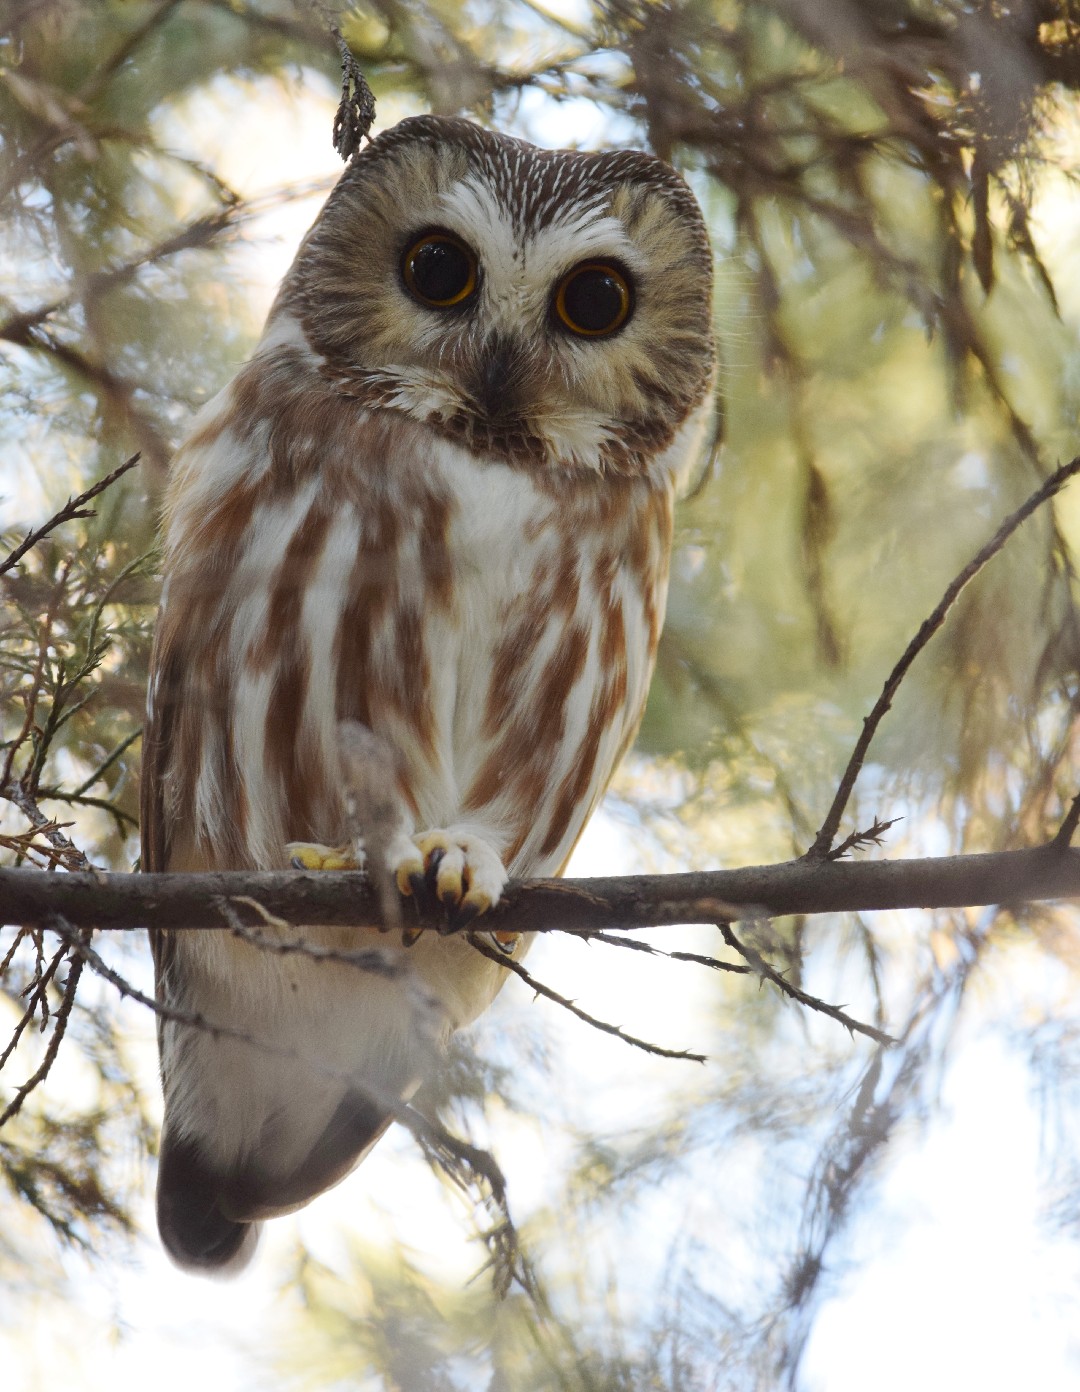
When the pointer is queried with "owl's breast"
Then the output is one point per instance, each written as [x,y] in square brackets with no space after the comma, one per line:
[512,670]
[465,596]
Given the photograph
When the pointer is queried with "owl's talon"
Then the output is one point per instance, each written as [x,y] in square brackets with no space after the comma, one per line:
[411,935]
[312,855]
[457,871]
[505,941]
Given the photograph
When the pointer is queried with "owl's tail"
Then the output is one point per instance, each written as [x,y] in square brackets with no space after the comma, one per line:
[209,1219]
[287,1094]
[196,1231]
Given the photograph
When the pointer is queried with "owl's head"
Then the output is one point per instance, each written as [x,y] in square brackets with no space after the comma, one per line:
[549,307]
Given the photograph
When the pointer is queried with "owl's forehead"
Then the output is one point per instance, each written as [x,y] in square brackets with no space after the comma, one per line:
[530,205]
[537,236]
[540,189]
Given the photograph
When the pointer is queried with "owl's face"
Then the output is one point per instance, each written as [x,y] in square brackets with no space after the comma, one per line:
[547,307]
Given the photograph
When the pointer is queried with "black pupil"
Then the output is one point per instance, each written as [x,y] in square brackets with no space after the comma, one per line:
[593,301]
[440,271]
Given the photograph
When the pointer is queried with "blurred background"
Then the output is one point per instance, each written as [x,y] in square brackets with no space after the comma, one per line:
[892,191]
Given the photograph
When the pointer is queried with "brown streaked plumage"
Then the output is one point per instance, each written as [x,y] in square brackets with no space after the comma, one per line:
[441,507]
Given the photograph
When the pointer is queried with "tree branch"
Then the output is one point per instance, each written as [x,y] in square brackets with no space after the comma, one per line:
[585,906]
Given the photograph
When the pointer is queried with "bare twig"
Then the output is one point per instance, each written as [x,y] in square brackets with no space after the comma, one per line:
[101,769]
[770,973]
[74,859]
[60,1023]
[929,627]
[376,960]
[374,808]
[636,945]
[73,508]
[37,998]
[541,990]
[30,695]
[873,834]
[1069,824]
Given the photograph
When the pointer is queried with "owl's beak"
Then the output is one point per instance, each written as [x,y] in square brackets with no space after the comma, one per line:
[500,376]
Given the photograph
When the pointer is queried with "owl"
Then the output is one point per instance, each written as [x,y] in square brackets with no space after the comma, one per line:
[435,504]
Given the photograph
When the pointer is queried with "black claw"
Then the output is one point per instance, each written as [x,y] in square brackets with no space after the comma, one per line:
[421,893]
[434,860]
[506,948]
[462,916]
[410,936]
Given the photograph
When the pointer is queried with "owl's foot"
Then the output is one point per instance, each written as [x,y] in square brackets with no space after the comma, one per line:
[458,871]
[462,872]
[310,855]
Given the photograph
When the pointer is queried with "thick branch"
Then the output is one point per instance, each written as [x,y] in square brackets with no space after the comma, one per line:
[576,906]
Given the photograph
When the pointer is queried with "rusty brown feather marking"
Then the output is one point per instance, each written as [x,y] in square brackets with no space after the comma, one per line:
[641,532]
[192,680]
[283,648]
[530,733]
[365,687]
[555,591]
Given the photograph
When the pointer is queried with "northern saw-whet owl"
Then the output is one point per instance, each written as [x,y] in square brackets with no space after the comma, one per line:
[437,502]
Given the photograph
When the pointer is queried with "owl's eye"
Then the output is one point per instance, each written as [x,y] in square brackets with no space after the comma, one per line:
[593,300]
[439,270]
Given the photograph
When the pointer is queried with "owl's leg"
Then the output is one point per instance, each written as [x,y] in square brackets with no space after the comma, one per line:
[464,871]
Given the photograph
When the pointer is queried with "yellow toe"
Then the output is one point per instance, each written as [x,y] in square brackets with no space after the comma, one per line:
[309,855]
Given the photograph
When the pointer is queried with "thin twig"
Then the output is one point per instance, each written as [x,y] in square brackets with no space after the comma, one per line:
[636,945]
[103,767]
[770,973]
[376,960]
[37,997]
[1068,826]
[74,507]
[873,834]
[31,695]
[541,990]
[60,1022]
[74,858]
[929,627]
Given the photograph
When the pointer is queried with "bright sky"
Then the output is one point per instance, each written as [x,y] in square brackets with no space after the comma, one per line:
[948,1279]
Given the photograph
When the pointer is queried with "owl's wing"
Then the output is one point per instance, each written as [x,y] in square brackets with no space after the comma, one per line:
[153,830]
[155,745]
[269,1108]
